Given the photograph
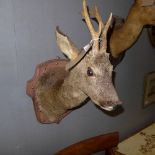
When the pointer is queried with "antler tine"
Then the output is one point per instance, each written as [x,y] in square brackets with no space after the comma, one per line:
[95,34]
[104,33]
[107,25]
[94,12]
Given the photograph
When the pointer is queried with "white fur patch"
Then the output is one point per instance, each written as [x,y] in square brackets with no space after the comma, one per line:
[110,108]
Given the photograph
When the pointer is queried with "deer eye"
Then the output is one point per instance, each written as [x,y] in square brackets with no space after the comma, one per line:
[90,72]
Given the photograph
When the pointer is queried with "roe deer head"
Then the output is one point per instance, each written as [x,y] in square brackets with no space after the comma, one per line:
[89,74]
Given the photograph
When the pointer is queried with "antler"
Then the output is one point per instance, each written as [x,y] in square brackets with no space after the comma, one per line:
[95,34]
[101,34]
[96,14]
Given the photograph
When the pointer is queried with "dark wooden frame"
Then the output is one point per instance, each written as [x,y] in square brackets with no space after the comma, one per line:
[149,89]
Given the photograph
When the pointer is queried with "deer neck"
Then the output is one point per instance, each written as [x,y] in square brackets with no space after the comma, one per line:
[69,94]
[125,36]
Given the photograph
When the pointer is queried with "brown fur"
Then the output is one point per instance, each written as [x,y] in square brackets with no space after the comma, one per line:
[70,89]
[57,99]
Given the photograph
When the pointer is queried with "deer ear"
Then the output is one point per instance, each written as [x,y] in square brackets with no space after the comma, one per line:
[66,45]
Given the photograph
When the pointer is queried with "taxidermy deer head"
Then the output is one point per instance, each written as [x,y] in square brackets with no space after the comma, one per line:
[88,74]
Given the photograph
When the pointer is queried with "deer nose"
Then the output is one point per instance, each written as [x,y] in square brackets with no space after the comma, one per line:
[110,105]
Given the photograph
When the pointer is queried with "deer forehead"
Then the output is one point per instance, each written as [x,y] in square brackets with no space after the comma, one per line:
[100,66]
[98,60]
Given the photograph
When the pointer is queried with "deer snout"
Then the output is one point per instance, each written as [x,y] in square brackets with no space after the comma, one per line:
[110,105]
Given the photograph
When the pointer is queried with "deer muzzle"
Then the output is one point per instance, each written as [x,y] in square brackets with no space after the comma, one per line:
[110,105]
[110,101]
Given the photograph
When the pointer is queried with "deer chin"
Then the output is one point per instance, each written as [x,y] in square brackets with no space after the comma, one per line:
[108,108]
[111,106]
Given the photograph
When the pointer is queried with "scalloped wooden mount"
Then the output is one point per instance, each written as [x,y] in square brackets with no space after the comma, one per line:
[30,88]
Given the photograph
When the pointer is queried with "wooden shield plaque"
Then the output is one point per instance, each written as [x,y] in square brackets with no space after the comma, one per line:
[30,89]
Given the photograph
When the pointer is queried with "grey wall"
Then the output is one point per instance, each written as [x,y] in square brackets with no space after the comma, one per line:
[27,39]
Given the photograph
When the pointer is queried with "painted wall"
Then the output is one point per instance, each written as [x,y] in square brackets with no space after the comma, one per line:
[27,39]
